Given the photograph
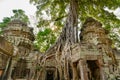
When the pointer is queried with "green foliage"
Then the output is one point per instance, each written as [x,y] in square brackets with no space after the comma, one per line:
[115,36]
[45,38]
[57,11]
[6,20]
[18,14]
[49,11]
[54,9]
[3,24]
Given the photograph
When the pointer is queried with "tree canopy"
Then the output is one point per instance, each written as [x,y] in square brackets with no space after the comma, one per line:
[58,9]
[18,14]
[56,12]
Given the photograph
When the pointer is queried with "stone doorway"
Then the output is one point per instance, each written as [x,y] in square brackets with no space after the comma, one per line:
[93,70]
[50,75]
[20,71]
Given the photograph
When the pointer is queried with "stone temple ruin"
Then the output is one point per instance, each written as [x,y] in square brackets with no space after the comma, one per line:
[21,38]
[91,59]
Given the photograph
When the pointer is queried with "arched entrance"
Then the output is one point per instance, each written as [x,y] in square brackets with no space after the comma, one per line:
[93,70]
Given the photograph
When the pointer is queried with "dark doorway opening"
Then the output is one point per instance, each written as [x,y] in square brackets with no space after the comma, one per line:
[58,75]
[50,75]
[93,70]
[20,70]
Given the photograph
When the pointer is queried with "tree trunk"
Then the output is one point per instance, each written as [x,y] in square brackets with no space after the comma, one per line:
[70,29]
[7,69]
[68,36]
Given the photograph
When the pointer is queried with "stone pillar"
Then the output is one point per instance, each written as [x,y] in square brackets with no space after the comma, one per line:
[102,73]
[11,69]
[56,74]
[83,70]
[75,72]
[7,69]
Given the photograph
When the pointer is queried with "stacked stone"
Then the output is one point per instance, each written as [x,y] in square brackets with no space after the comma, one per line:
[93,33]
[20,35]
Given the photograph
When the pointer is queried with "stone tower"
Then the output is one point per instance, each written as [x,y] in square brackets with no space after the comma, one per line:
[21,36]
[92,33]
[6,50]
